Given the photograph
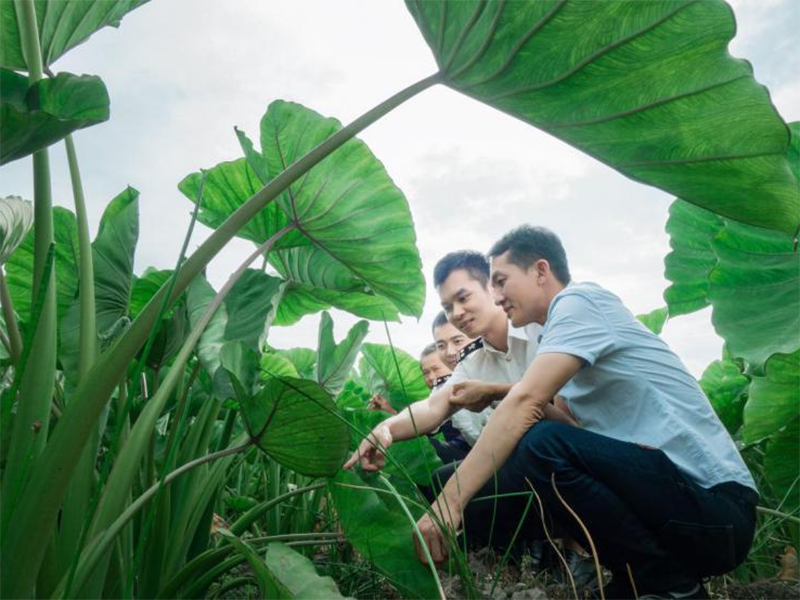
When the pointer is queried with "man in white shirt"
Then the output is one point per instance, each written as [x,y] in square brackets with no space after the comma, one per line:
[651,472]
[498,359]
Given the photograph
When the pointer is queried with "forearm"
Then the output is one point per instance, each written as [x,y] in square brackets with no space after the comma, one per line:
[509,422]
[497,391]
[417,419]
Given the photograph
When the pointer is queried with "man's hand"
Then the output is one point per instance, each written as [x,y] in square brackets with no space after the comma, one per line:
[370,452]
[378,402]
[473,395]
[449,514]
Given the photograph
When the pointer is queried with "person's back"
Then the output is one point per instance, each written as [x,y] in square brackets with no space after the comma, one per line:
[635,388]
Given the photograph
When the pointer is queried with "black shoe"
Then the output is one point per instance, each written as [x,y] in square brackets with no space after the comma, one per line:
[581,568]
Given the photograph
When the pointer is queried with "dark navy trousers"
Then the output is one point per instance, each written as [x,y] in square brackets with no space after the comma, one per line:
[640,510]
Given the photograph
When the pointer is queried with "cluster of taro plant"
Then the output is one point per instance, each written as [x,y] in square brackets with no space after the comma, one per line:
[136,410]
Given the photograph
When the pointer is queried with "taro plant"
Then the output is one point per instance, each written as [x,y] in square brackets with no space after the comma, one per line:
[130,402]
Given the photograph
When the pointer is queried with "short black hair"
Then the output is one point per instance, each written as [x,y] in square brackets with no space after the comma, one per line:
[471,261]
[439,320]
[526,244]
[427,351]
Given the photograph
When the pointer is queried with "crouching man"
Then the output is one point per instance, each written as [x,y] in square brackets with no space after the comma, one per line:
[651,472]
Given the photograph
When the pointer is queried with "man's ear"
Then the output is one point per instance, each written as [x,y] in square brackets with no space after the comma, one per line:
[542,268]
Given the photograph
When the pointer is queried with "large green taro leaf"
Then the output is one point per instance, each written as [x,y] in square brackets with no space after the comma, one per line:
[393,373]
[376,526]
[782,466]
[113,253]
[365,257]
[692,258]
[19,268]
[750,275]
[755,291]
[32,118]
[16,218]
[318,282]
[347,204]
[774,398]
[297,423]
[300,299]
[229,185]
[243,316]
[334,361]
[62,24]
[648,88]
[112,256]
[726,388]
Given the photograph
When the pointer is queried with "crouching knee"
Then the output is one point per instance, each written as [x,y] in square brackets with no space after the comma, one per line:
[542,446]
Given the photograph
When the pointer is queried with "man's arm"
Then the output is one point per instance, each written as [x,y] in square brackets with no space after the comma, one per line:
[416,419]
[520,409]
[477,395]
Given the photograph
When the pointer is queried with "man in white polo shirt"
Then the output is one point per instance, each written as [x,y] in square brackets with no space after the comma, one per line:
[652,472]
[499,359]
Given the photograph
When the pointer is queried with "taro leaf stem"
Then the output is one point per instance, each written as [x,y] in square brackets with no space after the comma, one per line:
[25,539]
[88,331]
[76,508]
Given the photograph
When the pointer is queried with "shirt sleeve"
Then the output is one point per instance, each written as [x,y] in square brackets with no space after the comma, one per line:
[577,327]
[459,374]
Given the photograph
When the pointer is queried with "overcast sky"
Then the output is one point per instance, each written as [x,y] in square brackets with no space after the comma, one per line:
[182,73]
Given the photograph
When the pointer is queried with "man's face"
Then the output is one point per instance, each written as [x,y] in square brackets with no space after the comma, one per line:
[467,303]
[433,368]
[449,342]
[519,291]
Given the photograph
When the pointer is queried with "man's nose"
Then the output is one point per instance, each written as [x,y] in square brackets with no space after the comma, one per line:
[499,298]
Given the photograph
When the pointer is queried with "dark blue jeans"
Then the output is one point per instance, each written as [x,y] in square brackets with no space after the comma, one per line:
[638,507]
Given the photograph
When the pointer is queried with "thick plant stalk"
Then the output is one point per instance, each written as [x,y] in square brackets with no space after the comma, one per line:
[31,425]
[88,328]
[23,546]
[78,498]
[14,337]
